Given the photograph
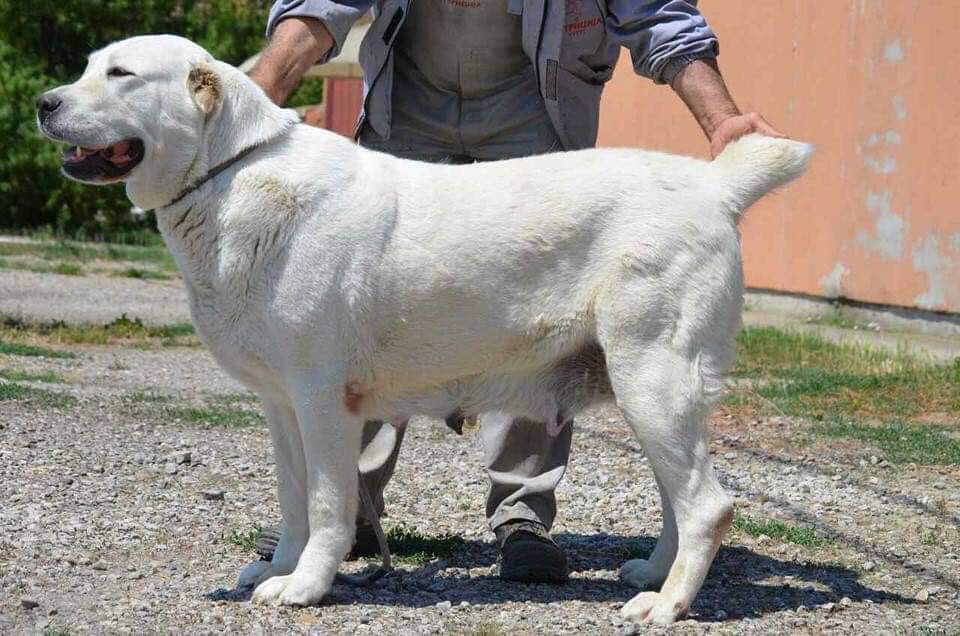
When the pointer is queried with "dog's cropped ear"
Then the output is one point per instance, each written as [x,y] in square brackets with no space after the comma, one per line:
[205,87]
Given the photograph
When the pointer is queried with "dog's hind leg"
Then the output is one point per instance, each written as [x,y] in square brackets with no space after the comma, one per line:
[291,481]
[660,390]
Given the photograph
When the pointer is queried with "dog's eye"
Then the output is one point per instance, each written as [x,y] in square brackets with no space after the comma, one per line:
[117,71]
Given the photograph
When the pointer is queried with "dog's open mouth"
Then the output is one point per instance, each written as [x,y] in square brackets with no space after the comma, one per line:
[110,163]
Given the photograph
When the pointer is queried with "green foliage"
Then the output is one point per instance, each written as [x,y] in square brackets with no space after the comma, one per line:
[35,396]
[854,392]
[123,329]
[245,540]
[18,375]
[309,93]
[44,44]
[32,190]
[410,546]
[899,442]
[20,349]
[776,529]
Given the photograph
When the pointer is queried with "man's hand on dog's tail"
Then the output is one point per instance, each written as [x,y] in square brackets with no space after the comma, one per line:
[752,166]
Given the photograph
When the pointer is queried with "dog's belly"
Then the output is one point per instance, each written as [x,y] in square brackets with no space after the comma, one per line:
[551,393]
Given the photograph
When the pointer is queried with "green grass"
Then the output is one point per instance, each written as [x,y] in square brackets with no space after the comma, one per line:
[69,269]
[77,258]
[771,352]
[215,412]
[634,551]
[779,530]
[13,391]
[410,546]
[77,251]
[838,318]
[213,416]
[853,392]
[900,443]
[145,397]
[246,541]
[143,274]
[18,375]
[20,349]
[124,330]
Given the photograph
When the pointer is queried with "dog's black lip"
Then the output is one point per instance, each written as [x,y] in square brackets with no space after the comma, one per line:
[96,167]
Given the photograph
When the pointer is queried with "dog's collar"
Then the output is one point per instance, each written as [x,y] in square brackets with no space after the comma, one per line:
[217,169]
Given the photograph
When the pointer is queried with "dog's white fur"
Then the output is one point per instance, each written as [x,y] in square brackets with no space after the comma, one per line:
[343,285]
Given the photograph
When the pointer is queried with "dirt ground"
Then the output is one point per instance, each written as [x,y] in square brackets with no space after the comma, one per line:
[120,510]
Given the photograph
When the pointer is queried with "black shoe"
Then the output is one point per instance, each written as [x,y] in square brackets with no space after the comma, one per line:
[528,554]
[365,544]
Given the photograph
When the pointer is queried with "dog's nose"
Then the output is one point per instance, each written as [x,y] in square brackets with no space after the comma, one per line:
[48,103]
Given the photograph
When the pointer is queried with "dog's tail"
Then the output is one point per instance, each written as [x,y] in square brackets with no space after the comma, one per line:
[754,165]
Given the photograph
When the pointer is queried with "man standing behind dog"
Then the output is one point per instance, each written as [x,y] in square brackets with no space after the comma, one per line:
[459,81]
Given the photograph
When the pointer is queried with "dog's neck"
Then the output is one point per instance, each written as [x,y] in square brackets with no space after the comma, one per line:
[245,124]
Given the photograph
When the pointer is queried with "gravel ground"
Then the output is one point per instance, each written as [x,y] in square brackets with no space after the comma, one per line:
[90,299]
[102,530]
[106,526]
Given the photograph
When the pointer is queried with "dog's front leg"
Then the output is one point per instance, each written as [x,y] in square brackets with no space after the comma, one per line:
[291,491]
[331,448]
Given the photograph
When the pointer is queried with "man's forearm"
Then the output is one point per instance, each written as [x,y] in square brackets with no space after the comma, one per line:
[701,87]
[296,44]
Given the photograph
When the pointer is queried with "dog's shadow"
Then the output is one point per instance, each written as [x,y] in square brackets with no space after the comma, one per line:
[741,582]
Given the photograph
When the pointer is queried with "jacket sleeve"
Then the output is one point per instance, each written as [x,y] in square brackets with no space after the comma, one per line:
[337,15]
[663,35]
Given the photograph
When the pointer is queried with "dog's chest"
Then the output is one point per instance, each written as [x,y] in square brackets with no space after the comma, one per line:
[229,320]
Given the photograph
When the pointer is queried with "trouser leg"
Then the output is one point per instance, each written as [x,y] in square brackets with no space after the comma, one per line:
[525,466]
[378,459]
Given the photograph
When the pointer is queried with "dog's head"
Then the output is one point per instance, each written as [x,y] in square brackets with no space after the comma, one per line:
[152,111]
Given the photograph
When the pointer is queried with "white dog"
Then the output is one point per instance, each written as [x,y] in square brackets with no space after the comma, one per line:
[344,285]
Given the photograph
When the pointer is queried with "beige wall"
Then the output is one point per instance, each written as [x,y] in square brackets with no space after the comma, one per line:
[875,84]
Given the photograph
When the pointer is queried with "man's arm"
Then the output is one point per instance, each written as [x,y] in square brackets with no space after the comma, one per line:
[701,87]
[297,44]
[302,33]
[671,43]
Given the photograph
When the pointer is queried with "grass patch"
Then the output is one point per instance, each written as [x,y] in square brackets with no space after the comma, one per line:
[68,269]
[635,550]
[410,546]
[20,349]
[847,389]
[213,416]
[145,397]
[123,330]
[771,352]
[900,443]
[215,412]
[10,391]
[143,274]
[246,541]
[77,251]
[18,375]
[779,530]
[837,318]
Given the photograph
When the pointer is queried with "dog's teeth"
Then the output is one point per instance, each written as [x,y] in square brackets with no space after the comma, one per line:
[78,153]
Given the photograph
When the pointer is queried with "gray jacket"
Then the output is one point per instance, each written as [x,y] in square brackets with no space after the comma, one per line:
[572,56]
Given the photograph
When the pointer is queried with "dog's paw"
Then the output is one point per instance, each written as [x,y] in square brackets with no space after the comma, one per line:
[289,590]
[643,574]
[652,607]
[254,573]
